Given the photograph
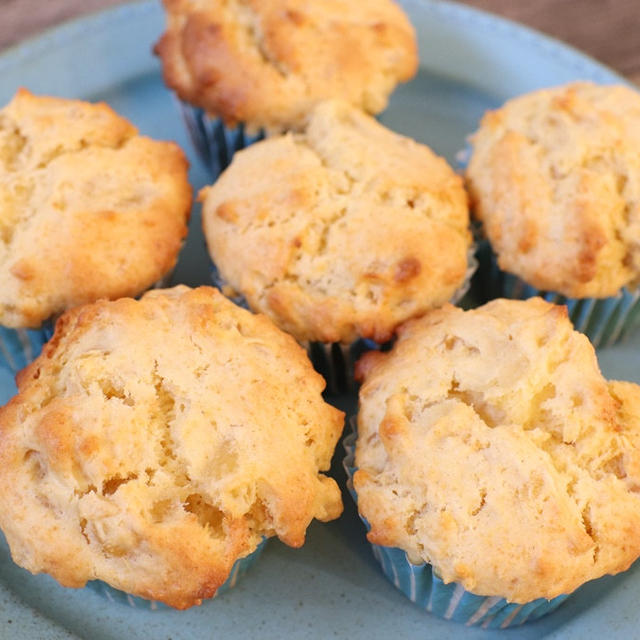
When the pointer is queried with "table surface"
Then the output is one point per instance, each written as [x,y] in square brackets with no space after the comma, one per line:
[605,29]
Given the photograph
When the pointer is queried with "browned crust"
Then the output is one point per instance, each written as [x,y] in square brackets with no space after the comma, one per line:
[490,446]
[155,442]
[344,230]
[552,179]
[267,63]
[91,209]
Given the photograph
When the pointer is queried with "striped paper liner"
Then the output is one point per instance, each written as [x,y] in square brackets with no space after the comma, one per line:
[605,321]
[241,566]
[449,601]
[214,143]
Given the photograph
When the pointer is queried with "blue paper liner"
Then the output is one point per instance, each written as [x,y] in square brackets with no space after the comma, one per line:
[19,347]
[215,143]
[241,566]
[336,361]
[424,588]
[605,321]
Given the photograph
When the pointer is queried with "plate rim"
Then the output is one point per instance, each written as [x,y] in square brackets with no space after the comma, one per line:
[458,12]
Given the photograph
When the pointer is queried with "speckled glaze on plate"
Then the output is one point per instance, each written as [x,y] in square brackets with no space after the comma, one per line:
[332,587]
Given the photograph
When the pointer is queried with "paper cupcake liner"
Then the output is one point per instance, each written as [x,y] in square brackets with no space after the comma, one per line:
[449,601]
[215,143]
[336,361]
[241,566]
[605,321]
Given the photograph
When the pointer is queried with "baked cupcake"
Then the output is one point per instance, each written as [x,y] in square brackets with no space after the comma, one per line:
[88,209]
[156,442]
[243,68]
[555,179]
[341,231]
[497,469]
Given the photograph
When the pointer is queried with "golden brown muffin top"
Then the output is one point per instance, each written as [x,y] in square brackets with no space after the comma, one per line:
[555,179]
[155,442]
[267,62]
[88,208]
[490,446]
[344,230]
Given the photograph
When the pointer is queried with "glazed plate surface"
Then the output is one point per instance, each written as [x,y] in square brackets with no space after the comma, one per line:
[470,61]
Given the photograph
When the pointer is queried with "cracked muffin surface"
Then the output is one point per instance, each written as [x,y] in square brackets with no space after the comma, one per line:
[555,178]
[88,208]
[267,62]
[154,442]
[341,231]
[490,446]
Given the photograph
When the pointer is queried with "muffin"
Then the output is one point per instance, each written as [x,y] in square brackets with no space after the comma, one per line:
[157,441]
[88,209]
[496,468]
[341,231]
[555,179]
[241,68]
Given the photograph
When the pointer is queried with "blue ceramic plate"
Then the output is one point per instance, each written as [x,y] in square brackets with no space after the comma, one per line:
[332,587]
